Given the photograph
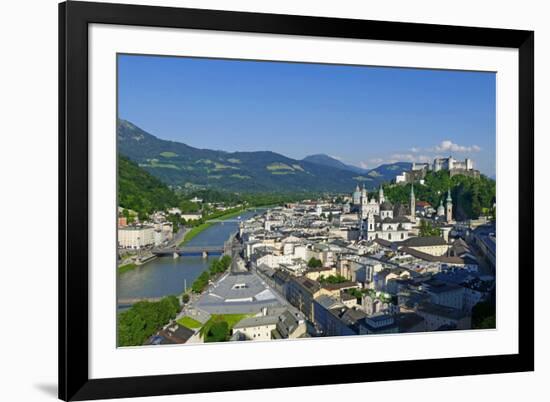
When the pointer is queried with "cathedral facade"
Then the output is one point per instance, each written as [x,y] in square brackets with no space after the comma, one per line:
[376,217]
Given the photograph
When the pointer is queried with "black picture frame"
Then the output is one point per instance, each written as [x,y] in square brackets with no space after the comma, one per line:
[74,18]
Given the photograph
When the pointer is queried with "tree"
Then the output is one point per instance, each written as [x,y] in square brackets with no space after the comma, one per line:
[185,298]
[314,263]
[470,194]
[487,323]
[201,282]
[427,230]
[140,191]
[225,262]
[143,319]
[142,216]
[484,315]
[130,328]
[176,221]
[356,293]
[332,279]
[218,332]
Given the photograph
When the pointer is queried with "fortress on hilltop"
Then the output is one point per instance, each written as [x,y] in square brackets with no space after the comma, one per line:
[453,166]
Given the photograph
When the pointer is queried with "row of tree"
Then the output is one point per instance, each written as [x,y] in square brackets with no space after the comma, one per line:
[143,319]
[216,267]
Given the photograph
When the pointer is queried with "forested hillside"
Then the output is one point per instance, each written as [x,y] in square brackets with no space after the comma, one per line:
[140,191]
[471,196]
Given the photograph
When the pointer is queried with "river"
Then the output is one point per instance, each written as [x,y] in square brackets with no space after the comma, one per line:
[166,275]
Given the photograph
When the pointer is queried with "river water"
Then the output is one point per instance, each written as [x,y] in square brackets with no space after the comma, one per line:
[166,275]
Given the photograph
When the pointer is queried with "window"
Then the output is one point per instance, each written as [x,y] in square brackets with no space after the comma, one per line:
[389,236]
[402,236]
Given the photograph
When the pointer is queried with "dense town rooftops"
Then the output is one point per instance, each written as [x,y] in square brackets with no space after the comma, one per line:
[288,322]
[329,302]
[407,321]
[257,321]
[386,206]
[238,293]
[424,241]
[339,286]
[438,287]
[347,297]
[433,258]
[171,334]
[440,310]
[320,269]
[351,316]
[307,284]
[384,243]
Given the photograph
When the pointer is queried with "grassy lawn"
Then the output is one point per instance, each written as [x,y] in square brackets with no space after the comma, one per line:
[231,320]
[189,322]
[126,267]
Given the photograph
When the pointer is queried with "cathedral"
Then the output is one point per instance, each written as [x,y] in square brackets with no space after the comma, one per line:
[376,217]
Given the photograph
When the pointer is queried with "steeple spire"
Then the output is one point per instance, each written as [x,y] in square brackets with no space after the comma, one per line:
[449,207]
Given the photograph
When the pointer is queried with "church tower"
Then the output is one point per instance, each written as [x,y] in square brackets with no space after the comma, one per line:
[449,209]
[364,202]
[412,203]
[356,196]
[364,195]
[381,198]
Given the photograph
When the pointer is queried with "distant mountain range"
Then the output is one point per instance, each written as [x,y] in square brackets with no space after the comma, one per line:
[178,164]
[322,159]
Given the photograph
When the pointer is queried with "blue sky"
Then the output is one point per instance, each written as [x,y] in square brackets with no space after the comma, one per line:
[361,115]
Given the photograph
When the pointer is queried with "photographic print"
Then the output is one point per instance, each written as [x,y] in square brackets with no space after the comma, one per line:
[267,201]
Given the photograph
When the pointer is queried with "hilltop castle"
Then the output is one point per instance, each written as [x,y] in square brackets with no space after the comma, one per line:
[418,170]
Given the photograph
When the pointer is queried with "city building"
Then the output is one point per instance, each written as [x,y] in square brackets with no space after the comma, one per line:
[136,237]
[439,317]
[258,328]
[191,216]
[301,293]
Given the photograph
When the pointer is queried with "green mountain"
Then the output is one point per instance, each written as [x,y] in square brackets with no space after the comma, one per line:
[388,171]
[325,160]
[383,173]
[180,165]
[140,191]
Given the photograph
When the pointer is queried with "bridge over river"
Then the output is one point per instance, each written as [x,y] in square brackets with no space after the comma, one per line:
[205,250]
[186,250]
